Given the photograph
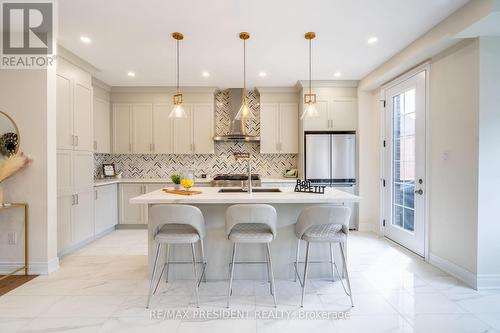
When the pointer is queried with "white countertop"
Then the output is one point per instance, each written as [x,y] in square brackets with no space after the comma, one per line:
[210,195]
[166,181]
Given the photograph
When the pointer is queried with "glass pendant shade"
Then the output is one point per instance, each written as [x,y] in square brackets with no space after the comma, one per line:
[310,112]
[245,112]
[178,112]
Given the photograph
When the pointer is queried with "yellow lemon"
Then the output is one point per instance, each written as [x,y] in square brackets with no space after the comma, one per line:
[186,183]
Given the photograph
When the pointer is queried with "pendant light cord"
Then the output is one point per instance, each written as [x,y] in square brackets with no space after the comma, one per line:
[244,66]
[177,66]
[310,64]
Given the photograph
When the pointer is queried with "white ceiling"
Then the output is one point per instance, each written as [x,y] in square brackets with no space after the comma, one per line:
[131,35]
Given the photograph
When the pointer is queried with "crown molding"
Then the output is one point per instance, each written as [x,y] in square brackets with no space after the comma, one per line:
[278,90]
[328,84]
[98,83]
[76,60]
[162,90]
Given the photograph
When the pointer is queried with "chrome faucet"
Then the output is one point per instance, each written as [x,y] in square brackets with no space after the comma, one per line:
[249,170]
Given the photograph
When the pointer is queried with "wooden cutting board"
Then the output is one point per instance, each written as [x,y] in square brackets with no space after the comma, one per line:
[180,192]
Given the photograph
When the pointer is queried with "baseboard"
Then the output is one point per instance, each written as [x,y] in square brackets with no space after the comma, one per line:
[454,270]
[131,226]
[488,281]
[35,268]
[78,246]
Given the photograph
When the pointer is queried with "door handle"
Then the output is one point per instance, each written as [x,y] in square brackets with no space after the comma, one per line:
[76,136]
[420,192]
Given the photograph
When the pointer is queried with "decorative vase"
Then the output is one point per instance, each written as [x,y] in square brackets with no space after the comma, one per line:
[177,187]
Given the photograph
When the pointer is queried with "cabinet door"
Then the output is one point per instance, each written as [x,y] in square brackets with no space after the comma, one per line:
[142,115]
[203,129]
[64,113]
[122,139]
[82,221]
[183,132]
[162,129]
[82,121]
[106,208]
[289,128]
[150,188]
[65,172]
[130,213]
[269,128]
[102,126]
[83,171]
[344,114]
[321,122]
[64,209]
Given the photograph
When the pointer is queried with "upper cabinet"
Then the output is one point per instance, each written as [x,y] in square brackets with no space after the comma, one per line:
[74,108]
[102,126]
[279,128]
[334,114]
[146,129]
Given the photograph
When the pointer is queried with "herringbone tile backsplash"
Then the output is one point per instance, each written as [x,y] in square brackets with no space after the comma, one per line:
[163,165]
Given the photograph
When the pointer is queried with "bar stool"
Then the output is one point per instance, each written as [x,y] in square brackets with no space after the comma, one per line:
[323,224]
[177,224]
[256,224]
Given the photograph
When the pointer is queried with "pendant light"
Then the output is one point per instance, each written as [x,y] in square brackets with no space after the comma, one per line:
[310,98]
[245,112]
[178,110]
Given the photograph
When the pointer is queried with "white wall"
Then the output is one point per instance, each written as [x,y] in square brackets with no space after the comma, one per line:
[369,159]
[488,265]
[454,109]
[28,96]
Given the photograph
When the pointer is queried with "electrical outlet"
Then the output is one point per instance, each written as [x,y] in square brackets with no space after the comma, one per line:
[12,238]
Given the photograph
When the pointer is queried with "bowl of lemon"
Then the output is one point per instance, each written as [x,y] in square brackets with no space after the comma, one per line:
[187,184]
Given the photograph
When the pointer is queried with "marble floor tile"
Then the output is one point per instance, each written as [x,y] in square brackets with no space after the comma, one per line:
[409,304]
[12,306]
[137,324]
[67,325]
[219,326]
[84,306]
[295,326]
[392,323]
[456,323]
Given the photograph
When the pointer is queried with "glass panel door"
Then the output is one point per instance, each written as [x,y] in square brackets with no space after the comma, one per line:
[404,197]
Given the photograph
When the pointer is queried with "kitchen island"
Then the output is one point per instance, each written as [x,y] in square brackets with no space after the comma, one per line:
[213,205]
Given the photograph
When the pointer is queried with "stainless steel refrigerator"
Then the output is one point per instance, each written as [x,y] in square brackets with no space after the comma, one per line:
[330,160]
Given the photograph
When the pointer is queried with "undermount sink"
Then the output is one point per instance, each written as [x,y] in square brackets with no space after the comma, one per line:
[255,190]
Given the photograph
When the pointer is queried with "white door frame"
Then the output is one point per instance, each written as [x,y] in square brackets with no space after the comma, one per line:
[426,66]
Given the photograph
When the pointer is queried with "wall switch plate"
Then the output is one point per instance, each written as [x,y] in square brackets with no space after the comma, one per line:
[12,238]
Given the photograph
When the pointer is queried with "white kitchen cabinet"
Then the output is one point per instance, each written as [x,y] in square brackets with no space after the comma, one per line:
[83,117]
[64,212]
[129,213]
[142,123]
[105,207]
[279,131]
[64,112]
[122,128]
[83,171]
[82,220]
[203,129]
[162,129]
[102,126]
[65,172]
[183,132]
[344,114]
[334,114]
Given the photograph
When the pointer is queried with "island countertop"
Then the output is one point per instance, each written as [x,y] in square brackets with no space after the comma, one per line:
[211,195]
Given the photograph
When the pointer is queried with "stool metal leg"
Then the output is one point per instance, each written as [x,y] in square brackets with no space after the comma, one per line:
[158,248]
[231,275]
[296,260]
[305,275]
[341,245]
[195,276]
[270,267]
[167,257]
[204,261]
[268,273]
[332,262]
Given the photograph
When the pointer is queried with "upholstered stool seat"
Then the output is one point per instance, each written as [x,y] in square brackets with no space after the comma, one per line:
[177,234]
[251,233]
[324,233]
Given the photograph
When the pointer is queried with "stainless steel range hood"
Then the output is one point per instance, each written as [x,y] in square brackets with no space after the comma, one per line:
[238,130]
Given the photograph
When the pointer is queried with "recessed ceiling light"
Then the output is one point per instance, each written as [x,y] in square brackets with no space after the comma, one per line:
[205,74]
[85,39]
[337,74]
[262,74]
[131,74]
[372,40]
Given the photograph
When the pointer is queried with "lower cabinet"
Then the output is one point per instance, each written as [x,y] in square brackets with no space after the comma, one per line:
[105,207]
[133,213]
[75,216]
